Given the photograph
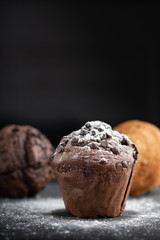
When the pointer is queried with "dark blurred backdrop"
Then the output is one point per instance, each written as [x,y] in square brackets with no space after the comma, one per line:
[64,64]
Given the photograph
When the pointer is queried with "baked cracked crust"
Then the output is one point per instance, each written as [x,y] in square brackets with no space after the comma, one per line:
[25,164]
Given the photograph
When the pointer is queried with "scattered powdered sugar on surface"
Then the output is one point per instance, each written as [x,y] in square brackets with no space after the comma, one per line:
[46,218]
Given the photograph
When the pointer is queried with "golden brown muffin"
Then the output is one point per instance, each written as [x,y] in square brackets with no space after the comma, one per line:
[146,137]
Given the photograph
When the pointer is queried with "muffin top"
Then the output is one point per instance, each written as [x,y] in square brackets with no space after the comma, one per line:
[23,147]
[95,141]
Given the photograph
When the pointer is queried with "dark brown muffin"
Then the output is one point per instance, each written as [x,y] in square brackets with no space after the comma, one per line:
[25,164]
[94,167]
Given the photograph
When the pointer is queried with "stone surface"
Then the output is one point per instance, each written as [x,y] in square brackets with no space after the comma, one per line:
[44,217]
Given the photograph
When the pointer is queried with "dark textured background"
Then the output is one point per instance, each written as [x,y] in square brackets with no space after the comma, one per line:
[63,64]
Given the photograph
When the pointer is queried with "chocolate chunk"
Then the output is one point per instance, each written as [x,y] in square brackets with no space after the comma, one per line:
[93,133]
[125,164]
[102,161]
[135,153]
[124,142]
[15,129]
[88,125]
[100,129]
[81,143]
[74,141]
[93,145]
[83,132]
[43,145]
[4,156]
[35,134]
[118,167]
[105,136]
[37,141]
[39,163]
[60,149]
[108,135]
[104,143]
[115,150]
[64,142]
[3,148]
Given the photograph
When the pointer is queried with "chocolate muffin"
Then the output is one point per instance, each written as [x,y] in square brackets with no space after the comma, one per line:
[25,164]
[94,167]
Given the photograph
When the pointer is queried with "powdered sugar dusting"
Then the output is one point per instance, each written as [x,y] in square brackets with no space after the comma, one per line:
[46,218]
[96,130]
[99,136]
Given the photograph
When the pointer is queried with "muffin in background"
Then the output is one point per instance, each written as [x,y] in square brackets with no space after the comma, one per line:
[25,164]
[146,137]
